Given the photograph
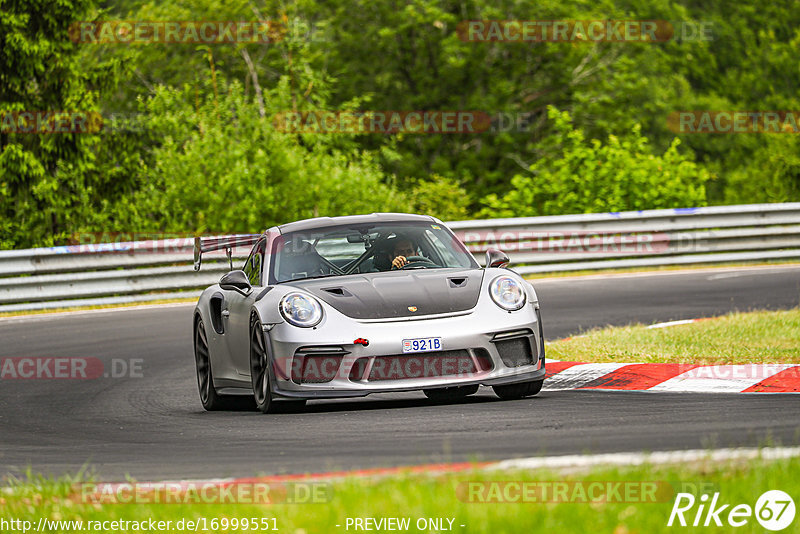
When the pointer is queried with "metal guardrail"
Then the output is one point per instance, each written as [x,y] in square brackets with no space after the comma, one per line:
[145,270]
[683,236]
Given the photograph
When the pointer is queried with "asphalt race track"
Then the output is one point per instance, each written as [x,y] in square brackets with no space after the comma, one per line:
[153,427]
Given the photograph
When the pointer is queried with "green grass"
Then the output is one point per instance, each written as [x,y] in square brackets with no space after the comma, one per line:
[755,337]
[446,496]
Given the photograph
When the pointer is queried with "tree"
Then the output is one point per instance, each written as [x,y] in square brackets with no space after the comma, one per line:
[48,181]
[222,167]
[590,177]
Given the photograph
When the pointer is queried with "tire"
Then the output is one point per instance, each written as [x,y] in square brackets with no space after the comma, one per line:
[262,377]
[209,397]
[518,391]
[451,394]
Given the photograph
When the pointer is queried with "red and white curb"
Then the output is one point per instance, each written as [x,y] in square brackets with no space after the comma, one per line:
[674,377]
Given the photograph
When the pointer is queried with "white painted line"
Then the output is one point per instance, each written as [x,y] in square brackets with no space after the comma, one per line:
[672,323]
[639,458]
[720,378]
[737,274]
[580,375]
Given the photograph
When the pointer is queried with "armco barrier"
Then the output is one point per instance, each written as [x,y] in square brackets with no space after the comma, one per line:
[142,270]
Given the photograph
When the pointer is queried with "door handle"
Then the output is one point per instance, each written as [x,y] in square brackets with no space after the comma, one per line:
[226,313]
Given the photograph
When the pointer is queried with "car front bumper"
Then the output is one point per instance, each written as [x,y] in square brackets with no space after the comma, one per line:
[482,338]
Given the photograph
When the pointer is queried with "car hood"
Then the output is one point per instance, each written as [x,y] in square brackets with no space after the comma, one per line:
[397,294]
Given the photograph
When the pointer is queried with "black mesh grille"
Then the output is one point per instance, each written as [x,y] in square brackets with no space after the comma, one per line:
[315,368]
[423,365]
[515,352]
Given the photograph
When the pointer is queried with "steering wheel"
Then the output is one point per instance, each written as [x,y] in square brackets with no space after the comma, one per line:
[416,261]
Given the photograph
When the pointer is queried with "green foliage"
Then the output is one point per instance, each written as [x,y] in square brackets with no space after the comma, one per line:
[207,151]
[441,197]
[222,167]
[48,183]
[588,177]
[751,64]
[772,176]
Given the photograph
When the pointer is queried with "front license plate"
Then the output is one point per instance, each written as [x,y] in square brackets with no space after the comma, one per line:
[423,344]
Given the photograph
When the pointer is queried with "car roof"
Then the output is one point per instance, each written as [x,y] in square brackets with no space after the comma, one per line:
[374,218]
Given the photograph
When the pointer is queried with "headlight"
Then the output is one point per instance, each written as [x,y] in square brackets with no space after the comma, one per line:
[507,293]
[301,310]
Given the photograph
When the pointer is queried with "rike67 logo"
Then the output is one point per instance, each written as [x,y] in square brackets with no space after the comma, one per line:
[774,510]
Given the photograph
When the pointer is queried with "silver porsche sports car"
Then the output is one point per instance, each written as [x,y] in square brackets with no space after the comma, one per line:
[348,306]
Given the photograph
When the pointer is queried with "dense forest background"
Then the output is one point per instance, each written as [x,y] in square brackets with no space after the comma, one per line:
[200,152]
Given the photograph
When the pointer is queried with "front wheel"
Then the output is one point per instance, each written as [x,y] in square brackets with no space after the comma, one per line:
[518,391]
[261,375]
[209,397]
[259,368]
[451,394]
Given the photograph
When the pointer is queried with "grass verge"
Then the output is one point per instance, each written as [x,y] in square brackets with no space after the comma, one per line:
[753,337]
[624,500]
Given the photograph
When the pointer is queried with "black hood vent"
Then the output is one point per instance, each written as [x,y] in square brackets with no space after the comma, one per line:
[398,294]
[338,291]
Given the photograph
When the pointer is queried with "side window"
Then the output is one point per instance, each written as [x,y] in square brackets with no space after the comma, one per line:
[255,276]
[252,267]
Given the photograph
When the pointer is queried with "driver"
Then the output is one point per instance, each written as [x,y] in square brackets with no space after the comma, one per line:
[403,248]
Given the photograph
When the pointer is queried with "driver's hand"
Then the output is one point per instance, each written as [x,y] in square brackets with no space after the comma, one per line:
[399,261]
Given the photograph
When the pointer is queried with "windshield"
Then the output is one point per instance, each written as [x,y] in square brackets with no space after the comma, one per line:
[368,248]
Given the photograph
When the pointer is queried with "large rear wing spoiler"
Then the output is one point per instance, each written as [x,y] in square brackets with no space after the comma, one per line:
[227,242]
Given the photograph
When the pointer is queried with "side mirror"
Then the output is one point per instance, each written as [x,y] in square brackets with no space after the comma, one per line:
[496,258]
[235,280]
